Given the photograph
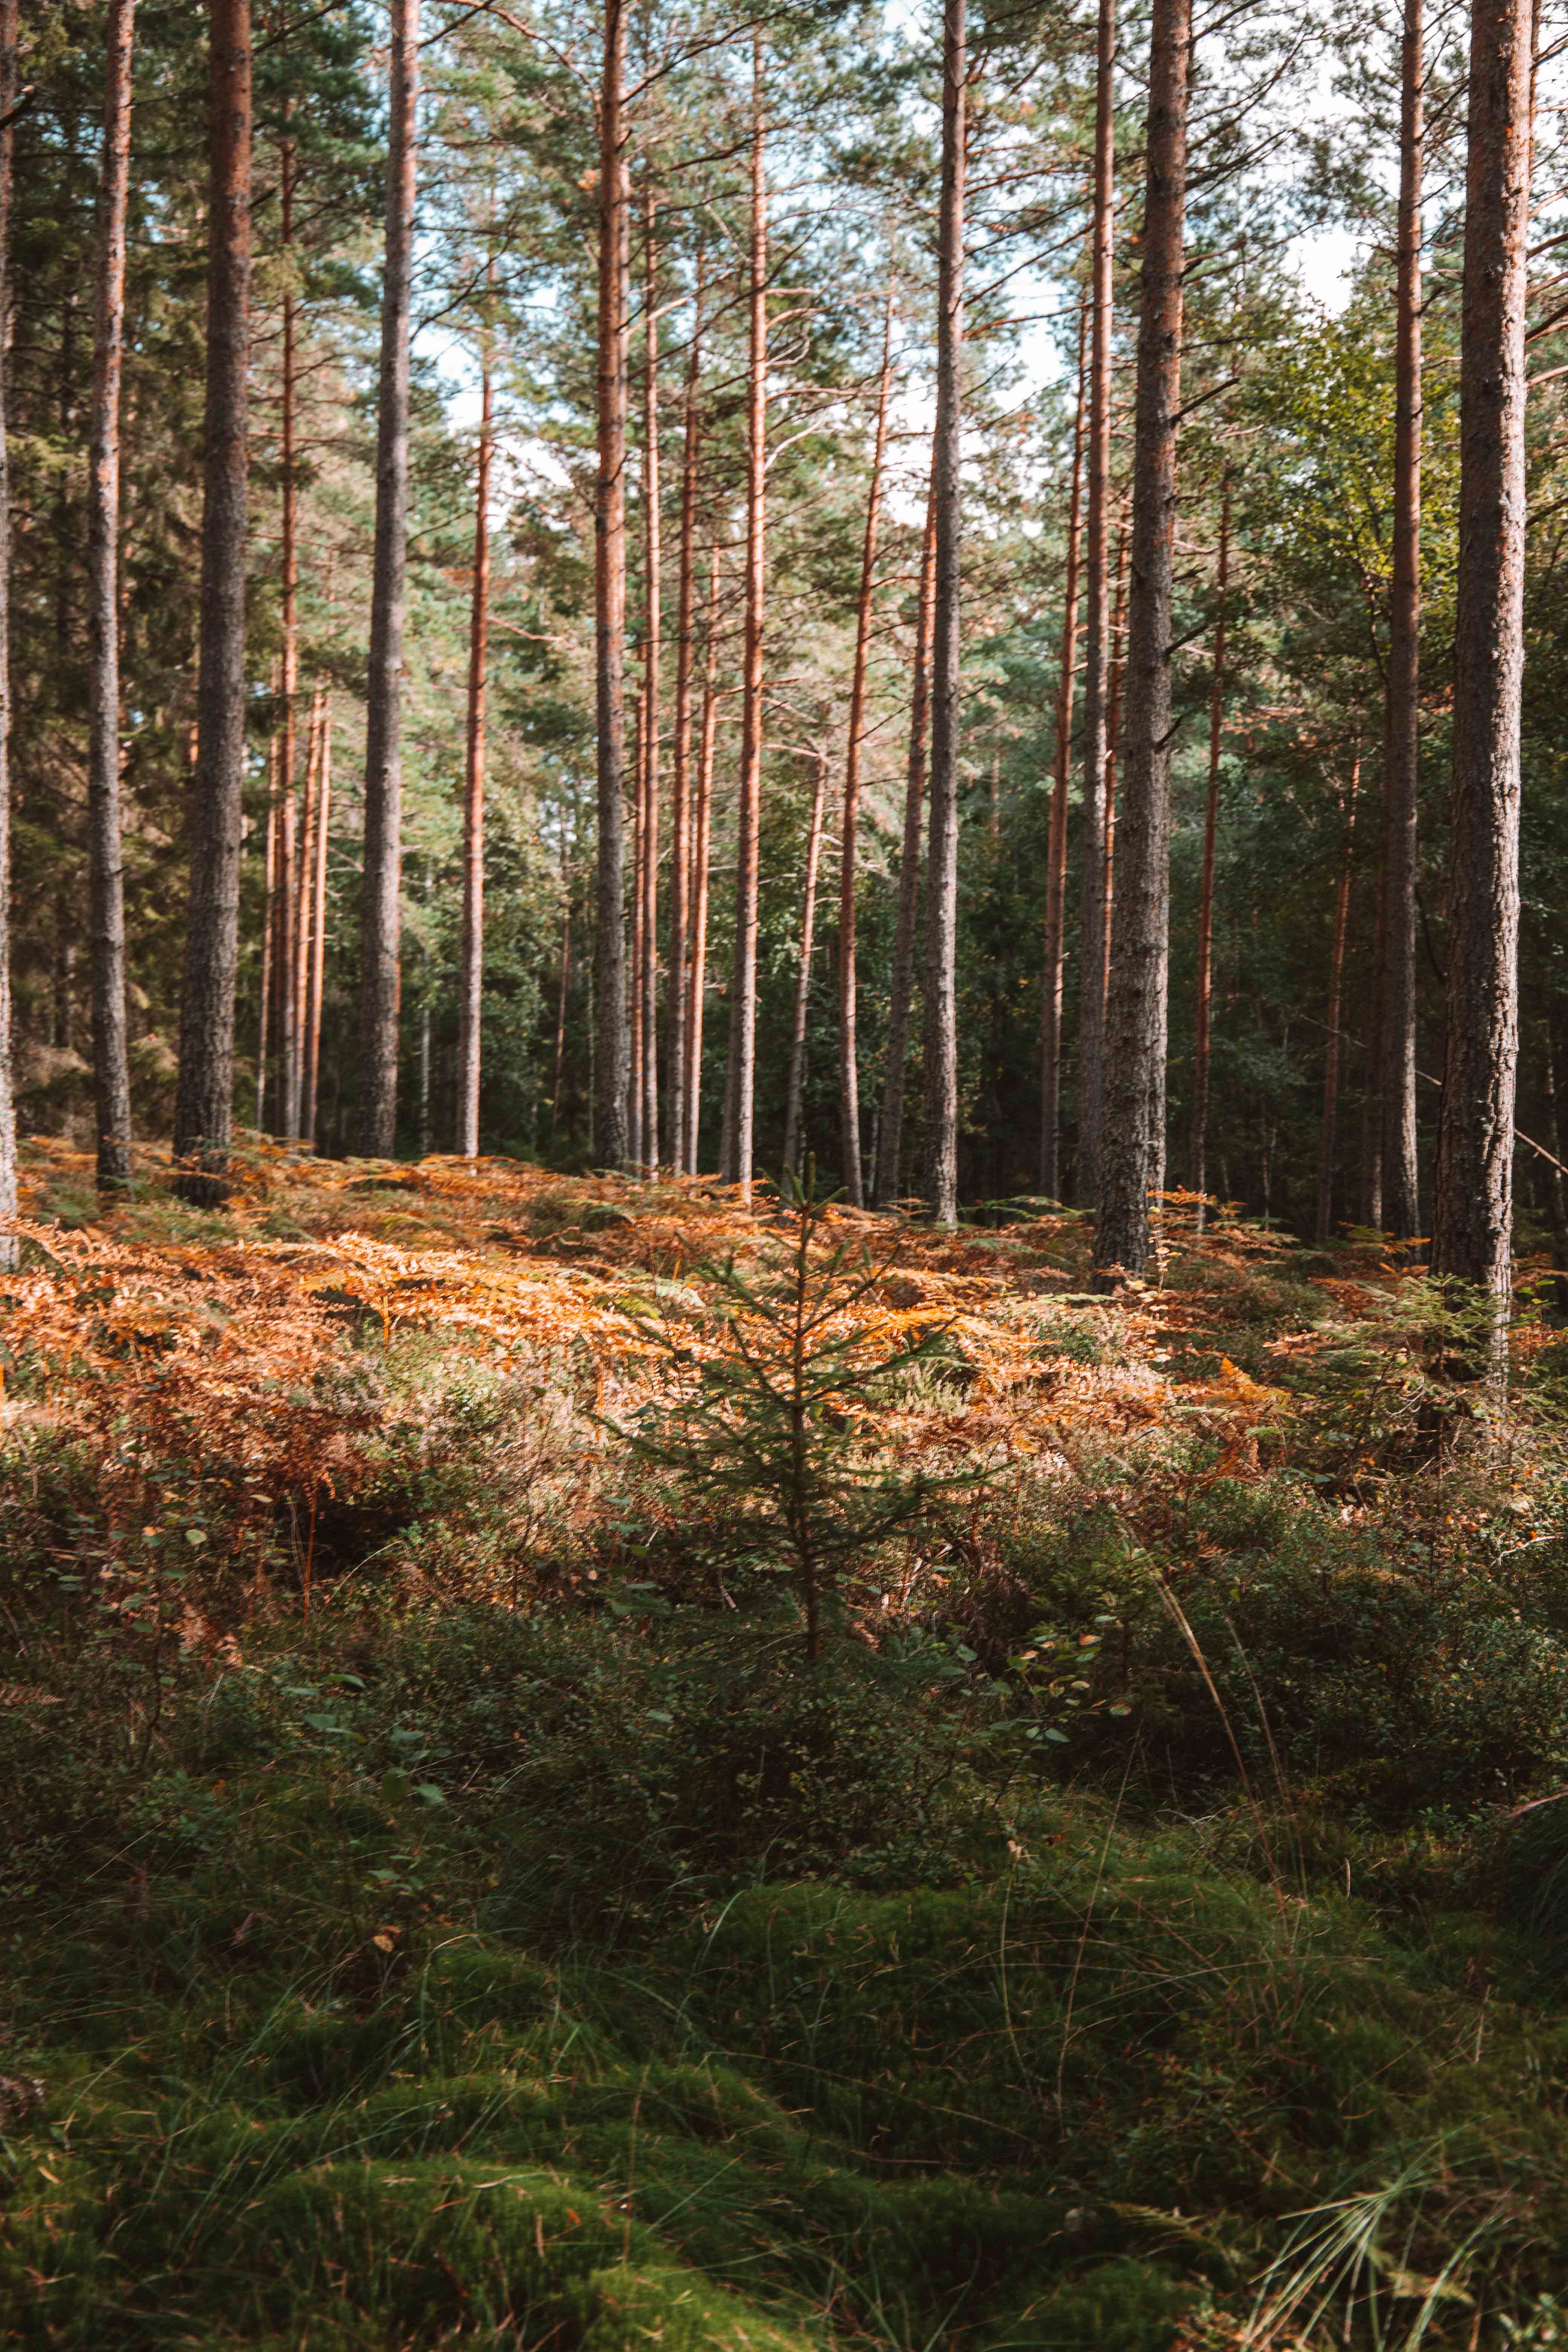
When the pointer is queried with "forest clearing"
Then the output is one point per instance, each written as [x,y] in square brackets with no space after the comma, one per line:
[783,1248]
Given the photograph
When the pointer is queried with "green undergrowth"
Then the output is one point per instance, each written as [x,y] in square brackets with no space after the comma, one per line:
[474,1980]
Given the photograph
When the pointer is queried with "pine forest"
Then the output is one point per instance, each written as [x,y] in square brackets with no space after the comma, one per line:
[784,1227]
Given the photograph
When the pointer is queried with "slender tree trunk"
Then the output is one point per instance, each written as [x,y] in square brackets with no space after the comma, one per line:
[1133,1087]
[297,942]
[318,928]
[849,1074]
[803,977]
[889,1142]
[424,1025]
[110,1066]
[268,932]
[1331,1051]
[1371,1110]
[652,653]
[640,902]
[612,1043]
[741,1075]
[380,929]
[305,900]
[563,994]
[940,1042]
[702,841]
[1402,766]
[1198,1174]
[203,1108]
[680,791]
[1092,942]
[470,982]
[285,904]
[8,1243]
[1472,1230]
[295,837]
[1056,841]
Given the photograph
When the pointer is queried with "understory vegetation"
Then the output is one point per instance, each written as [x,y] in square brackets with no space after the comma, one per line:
[441,1901]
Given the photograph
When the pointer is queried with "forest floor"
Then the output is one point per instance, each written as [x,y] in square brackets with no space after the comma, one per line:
[438,1903]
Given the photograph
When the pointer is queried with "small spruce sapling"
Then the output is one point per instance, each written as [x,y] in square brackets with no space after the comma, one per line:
[774,1432]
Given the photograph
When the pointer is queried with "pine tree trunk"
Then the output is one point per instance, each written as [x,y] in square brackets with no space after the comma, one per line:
[848,1075]
[889,1142]
[1472,1230]
[1097,628]
[702,842]
[295,837]
[268,935]
[380,927]
[563,992]
[680,788]
[8,1243]
[1133,1087]
[203,1107]
[309,1116]
[285,907]
[1331,1050]
[470,979]
[941,1038]
[612,1042]
[652,653]
[740,1087]
[1198,1172]
[110,1066]
[304,904]
[1056,841]
[1372,1108]
[635,1025]
[1401,1200]
[803,977]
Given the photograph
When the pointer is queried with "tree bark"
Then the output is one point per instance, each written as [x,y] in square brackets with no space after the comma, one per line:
[202,1105]
[1372,1109]
[652,653]
[304,906]
[380,928]
[1401,1200]
[470,981]
[940,1039]
[803,977]
[295,834]
[1097,627]
[702,841]
[681,789]
[110,1065]
[317,927]
[1472,1230]
[889,1142]
[612,1043]
[740,1087]
[1056,841]
[1198,1172]
[1133,1089]
[563,992]
[848,1075]
[8,1243]
[269,937]
[635,1027]
[1331,1049]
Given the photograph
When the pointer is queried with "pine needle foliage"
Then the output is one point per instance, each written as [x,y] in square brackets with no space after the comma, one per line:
[777,1430]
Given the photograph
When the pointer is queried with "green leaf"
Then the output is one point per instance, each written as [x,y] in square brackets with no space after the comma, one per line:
[430,1792]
